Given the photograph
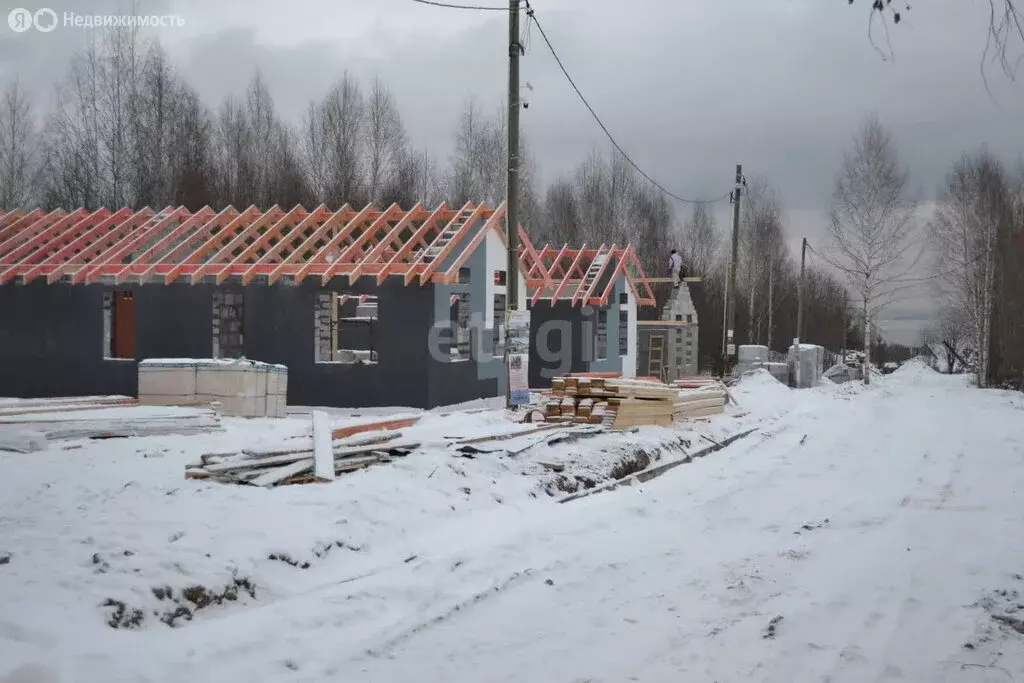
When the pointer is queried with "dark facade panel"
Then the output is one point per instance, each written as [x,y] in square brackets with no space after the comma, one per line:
[52,342]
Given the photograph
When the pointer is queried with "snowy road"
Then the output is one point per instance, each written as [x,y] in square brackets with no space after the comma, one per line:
[856,537]
[921,484]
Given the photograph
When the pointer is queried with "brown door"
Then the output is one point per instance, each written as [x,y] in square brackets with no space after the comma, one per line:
[124,325]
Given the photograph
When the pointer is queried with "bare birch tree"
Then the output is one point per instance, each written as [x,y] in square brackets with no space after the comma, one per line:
[701,240]
[873,237]
[385,140]
[761,246]
[332,144]
[18,142]
[972,210]
[479,165]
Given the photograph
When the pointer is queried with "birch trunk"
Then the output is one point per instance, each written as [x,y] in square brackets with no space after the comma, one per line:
[867,344]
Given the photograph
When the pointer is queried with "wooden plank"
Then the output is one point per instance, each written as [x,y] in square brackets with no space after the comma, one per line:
[323,454]
[342,432]
[503,436]
[279,474]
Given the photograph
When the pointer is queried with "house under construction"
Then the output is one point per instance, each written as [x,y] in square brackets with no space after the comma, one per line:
[365,307]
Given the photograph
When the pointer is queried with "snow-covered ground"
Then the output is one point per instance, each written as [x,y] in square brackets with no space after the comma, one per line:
[858,535]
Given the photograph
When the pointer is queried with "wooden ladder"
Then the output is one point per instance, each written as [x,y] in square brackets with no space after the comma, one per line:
[655,355]
[435,249]
[591,275]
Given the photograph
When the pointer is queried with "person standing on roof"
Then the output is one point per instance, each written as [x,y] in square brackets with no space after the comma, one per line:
[675,267]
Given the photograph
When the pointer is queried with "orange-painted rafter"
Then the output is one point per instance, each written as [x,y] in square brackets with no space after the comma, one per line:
[175,245]
[444,244]
[145,233]
[331,250]
[53,256]
[403,252]
[27,234]
[44,232]
[297,256]
[273,255]
[92,248]
[373,256]
[419,244]
[230,243]
[16,221]
[356,250]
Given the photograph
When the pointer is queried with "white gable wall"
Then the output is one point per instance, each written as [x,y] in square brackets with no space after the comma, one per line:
[629,359]
[497,259]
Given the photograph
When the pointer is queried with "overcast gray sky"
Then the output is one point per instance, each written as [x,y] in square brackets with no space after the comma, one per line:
[688,88]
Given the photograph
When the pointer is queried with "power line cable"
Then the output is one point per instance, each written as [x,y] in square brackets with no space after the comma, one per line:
[533,21]
[536,22]
[926,278]
[447,5]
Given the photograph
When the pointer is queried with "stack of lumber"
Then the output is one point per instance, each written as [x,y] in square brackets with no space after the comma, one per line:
[617,403]
[101,418]
[695,382]
[704,401]
[319,457]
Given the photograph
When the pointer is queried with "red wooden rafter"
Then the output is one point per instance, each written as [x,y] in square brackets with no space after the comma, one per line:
[35,248]
[57,254]
[419,244]
[116,254]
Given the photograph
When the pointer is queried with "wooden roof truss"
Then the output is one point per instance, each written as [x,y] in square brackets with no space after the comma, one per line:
[576,275]
[420,245]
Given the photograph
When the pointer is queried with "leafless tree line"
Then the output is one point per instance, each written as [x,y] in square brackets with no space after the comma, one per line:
[767,278]
[127,130]
[977,245]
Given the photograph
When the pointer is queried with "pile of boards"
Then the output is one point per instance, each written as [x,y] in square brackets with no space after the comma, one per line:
[614,402]
[27,425]
[699,400]
[320,456]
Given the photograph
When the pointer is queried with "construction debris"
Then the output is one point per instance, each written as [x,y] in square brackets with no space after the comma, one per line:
[315,458]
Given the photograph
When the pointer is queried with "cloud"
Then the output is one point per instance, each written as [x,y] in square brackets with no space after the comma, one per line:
[688,88]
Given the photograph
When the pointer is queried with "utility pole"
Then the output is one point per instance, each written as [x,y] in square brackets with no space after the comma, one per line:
[771,302]
[800,293]
[512,199]
[731,323]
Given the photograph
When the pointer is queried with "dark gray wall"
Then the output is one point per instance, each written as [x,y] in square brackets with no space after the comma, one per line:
[51,342]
